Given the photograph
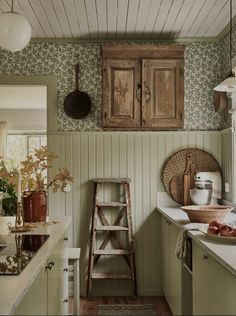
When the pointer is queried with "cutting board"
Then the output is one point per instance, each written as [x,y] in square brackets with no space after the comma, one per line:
[177,189]
[181,184]
[175,170]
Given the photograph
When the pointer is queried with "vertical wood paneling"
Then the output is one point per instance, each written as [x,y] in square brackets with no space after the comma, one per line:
[154,264]
[140,156]
[76,219]
[146,210]
[69,197]
[161,157]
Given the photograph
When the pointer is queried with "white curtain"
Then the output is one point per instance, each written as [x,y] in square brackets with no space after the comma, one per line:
[3,140]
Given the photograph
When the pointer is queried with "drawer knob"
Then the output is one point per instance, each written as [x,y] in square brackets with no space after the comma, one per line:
[205,257]
[65,238]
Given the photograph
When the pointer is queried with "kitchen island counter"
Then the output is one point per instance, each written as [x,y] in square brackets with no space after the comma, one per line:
[15,287]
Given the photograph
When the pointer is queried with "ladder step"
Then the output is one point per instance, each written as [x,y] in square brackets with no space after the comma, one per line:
[112,252]
[111,276]
[114,180]
[111,204]
[111,228]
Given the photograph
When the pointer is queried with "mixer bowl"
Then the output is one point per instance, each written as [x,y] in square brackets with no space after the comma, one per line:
[200,196]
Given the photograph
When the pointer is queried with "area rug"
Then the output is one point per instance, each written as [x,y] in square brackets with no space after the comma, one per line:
[126,309]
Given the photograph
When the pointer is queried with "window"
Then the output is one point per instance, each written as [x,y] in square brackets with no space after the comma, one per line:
[21,145]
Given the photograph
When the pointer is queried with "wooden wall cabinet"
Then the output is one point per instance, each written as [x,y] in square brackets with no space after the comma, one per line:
[143,86]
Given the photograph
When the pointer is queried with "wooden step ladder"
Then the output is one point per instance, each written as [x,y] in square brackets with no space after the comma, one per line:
[98,214]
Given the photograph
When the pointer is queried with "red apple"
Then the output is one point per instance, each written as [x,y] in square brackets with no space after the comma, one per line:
[215,224]
[226,231]
[213,230]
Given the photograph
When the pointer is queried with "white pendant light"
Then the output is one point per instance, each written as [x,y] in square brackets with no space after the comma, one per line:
[229,84]
[15,31]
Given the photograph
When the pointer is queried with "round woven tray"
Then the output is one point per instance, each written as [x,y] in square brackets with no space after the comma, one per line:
[176,164]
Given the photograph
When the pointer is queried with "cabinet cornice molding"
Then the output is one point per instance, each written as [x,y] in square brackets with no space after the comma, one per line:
[142,51]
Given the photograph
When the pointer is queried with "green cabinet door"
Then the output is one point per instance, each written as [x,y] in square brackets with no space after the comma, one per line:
[214,287]
[35,300]
[200,281]
[171,266]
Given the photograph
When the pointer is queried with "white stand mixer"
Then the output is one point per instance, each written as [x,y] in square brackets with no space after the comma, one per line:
[205,180]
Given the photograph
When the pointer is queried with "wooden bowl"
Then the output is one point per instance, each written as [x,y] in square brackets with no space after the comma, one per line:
[206,213]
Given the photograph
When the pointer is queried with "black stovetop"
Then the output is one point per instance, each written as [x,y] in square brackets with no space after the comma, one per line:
[16,251]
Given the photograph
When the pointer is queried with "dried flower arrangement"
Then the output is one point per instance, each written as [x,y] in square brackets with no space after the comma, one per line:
[33,173]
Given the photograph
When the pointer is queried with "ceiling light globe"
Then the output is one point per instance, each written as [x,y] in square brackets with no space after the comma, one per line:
[15,31]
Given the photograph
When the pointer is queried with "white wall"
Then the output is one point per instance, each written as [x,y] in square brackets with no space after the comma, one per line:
[22,120]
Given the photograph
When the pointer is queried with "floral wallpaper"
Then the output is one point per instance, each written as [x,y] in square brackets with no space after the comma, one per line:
[225,63]
[202,73]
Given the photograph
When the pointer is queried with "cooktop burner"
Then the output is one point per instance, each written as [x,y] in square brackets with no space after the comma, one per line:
[16,251]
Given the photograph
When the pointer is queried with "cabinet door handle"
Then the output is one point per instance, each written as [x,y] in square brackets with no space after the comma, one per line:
[147,93]
[65,269]
[65,300]
[138,92]
[50,265]
[65,239]
[204,257]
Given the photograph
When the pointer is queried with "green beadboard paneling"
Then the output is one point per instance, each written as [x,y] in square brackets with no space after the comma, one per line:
[202,73]
[138,155]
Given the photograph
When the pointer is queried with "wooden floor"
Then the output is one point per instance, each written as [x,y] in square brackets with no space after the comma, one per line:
[88,306]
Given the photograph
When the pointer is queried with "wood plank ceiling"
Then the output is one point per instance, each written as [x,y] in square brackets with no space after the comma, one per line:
[110,19]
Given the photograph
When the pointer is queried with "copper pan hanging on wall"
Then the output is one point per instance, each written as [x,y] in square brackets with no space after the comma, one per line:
[77,104]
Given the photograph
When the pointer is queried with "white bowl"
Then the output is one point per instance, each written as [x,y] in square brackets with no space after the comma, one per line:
[200,196]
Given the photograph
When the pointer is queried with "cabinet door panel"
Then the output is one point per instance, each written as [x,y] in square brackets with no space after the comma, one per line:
[121,81]
[165,256]
[222,289]
[175,274]
[162,99]
[58,280]
[35,300]
[201,271]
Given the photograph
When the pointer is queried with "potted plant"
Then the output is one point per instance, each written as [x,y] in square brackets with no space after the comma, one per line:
[35,183]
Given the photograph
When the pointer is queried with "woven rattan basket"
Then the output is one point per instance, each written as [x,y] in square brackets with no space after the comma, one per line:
[206,213]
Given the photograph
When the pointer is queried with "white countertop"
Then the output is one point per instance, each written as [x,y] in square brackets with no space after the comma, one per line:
[224,253]
[14,287]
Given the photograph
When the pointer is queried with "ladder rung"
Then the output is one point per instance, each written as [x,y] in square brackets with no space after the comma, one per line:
[111,204]
[111,228]
[111,252]
[111,276]
[115,180]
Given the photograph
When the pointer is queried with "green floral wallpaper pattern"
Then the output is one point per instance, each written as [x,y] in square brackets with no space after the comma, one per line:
[202,72]
[225,63]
